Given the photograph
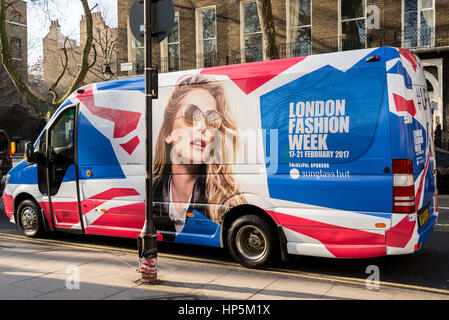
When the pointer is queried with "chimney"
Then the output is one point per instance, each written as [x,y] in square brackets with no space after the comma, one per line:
[54,24]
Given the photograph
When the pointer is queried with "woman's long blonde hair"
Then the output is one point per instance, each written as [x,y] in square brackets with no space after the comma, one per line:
[222,190]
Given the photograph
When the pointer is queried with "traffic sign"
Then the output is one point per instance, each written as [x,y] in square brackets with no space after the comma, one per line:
[163,15]
[126,66]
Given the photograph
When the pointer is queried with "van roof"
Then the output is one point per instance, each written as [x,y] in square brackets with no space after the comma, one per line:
[254,69]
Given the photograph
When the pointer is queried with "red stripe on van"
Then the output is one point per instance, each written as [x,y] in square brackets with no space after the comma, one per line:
[125,121]
[250,76]
[404,105]
[407,54]
[8,201]
[399,235]
[131,145]
[340,241]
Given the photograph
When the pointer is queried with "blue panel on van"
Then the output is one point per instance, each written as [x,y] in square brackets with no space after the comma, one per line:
[341,163]
[398,68]
[23,174]
[325,112]
[95,153]
[405,146]
[125,84]
[200,230]
[70,174]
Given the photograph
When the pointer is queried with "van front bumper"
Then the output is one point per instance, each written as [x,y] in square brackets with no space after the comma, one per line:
[8,201]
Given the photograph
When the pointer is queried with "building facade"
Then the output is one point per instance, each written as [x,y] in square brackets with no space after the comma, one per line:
[210,32]
[16,28]
[104,40]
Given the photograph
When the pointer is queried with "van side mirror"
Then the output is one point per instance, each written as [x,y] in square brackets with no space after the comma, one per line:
[30,156]
[434,106]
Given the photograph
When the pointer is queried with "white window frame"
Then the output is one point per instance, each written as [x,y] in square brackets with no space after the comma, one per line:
[199,39]
[164,44]
[418,24]
[242,29]
[133,46]
[341,21]
[289,27]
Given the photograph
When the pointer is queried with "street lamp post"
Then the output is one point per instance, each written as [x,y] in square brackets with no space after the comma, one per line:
[147,239]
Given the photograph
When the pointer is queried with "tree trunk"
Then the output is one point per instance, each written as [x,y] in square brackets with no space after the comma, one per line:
[270,49]
[37,104]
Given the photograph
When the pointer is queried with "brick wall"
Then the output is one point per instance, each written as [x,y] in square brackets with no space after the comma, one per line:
[123,7]
[16,21]
[324,26]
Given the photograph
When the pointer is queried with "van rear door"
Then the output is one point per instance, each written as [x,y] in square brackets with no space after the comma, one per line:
[420,134]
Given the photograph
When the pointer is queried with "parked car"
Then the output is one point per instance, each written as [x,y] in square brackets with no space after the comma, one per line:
[5,157]
[442,157]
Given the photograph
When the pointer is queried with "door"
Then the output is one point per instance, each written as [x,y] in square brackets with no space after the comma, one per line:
[5,158]
[61,172]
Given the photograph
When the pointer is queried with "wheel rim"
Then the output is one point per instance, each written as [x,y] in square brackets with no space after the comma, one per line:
[29,220]
[251,243]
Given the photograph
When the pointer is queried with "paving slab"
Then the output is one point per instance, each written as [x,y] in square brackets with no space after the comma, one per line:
[236,285]
[29,271]
[287,288]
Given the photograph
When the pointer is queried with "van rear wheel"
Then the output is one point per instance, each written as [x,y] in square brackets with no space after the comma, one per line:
[29,219]
[251,241]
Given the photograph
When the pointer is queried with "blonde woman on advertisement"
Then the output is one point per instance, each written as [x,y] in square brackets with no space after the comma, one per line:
[190,171]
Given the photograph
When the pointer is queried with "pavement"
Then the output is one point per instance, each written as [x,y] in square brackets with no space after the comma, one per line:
[52,270]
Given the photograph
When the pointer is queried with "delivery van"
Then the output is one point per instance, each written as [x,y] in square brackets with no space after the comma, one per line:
[328,155]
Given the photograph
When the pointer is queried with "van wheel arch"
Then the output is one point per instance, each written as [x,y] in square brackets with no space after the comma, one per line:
[19,199]
[251,210]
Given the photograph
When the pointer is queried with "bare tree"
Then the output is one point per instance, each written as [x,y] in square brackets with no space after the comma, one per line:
[105,39]
[31,99]
[270,49]
[8,92]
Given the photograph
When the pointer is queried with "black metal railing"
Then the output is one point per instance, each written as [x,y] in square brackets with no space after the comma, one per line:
[417,38]
[295,49]
[423,38]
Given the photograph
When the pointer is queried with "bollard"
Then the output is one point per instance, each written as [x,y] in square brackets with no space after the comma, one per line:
[147,247]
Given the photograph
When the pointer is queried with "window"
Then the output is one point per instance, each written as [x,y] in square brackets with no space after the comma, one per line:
[353,24]
[16,48]
[418,23]
[14,16]
[61,141]
[251,34]
[170,48]
[207,37]
[299,33]
[136,52]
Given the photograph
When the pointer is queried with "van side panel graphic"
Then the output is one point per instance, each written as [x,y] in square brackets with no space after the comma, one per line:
[322,133]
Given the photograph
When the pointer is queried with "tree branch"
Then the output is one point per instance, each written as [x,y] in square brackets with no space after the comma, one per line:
[270,50]
[40,105]
[95,58]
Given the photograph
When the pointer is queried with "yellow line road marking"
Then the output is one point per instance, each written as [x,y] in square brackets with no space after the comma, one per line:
[312,276]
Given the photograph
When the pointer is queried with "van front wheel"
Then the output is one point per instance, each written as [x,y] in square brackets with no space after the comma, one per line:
[29,219]
[251,241]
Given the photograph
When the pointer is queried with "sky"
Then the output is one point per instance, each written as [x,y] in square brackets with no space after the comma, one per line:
[68,12]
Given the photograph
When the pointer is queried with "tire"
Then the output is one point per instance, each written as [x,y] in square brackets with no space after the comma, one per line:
[29,219]
[251,242]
